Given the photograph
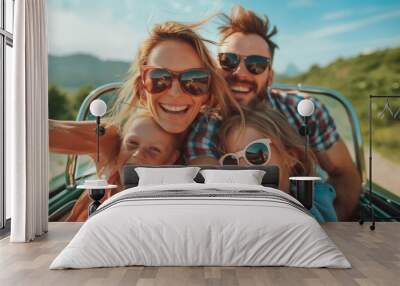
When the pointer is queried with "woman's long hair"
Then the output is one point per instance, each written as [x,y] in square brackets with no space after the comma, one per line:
[273,124]
[132,90]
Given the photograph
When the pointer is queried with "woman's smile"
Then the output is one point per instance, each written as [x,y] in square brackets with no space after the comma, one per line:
[174,109]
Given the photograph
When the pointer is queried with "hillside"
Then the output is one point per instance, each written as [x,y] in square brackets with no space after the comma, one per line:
[376,73]
[73,71]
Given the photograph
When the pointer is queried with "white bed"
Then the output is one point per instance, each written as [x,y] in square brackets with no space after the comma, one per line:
[201,224]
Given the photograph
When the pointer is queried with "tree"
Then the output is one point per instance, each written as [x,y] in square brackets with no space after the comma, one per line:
[59,107]
[79,97]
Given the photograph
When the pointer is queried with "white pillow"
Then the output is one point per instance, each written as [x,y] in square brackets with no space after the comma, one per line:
[248,177]
[163,176]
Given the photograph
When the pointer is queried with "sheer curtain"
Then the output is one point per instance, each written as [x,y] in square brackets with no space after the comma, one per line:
[27,124]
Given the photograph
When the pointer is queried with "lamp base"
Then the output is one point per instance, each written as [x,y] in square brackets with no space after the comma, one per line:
[96,195]
[304,190]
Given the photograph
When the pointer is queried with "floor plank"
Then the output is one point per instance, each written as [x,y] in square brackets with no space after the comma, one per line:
[374,255]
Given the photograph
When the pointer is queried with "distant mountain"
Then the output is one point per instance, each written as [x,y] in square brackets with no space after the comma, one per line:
[72,71]
[291,70]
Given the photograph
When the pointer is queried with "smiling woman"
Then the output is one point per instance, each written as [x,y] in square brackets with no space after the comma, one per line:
[174,77]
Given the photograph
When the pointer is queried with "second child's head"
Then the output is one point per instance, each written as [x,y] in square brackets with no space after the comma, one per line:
[144,142]
[265,138]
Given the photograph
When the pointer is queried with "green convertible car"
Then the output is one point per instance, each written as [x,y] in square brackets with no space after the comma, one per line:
[385,204]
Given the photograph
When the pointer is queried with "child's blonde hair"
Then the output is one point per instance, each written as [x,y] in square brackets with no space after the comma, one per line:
[272,123]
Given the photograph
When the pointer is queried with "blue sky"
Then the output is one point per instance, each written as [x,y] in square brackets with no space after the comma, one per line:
[310,31]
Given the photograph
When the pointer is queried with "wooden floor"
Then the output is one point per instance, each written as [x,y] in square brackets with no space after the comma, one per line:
[374,255]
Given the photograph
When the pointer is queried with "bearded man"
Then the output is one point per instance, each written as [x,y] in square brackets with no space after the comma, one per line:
[245,56]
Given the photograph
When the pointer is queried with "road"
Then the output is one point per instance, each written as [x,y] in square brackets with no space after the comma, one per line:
[384,173]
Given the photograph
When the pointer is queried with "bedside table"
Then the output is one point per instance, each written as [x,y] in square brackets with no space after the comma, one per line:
[96,189]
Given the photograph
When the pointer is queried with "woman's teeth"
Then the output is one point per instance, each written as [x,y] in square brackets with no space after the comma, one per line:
[174,108]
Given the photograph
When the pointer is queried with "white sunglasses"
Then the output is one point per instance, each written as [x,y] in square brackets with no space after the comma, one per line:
[257,152]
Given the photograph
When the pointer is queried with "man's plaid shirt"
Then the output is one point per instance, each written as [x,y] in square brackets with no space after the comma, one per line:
[202,139]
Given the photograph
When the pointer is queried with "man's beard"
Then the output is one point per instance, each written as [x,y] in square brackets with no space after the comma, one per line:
[258,94]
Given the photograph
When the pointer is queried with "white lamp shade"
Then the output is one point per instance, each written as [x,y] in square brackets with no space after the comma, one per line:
[305,107]
[98,108]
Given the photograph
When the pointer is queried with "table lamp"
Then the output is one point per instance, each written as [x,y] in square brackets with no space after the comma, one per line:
[97,186]
[304,191]
[305,108]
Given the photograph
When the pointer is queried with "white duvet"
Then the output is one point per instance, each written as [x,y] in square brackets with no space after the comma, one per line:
[207,230]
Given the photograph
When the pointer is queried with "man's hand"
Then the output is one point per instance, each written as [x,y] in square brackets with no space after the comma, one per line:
[344,176]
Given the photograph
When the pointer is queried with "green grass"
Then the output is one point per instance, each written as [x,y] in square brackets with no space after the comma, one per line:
[386,141]
[377,73]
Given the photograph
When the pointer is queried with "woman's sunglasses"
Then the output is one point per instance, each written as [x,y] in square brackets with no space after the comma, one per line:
[192,81]
[255,64]
[257,152]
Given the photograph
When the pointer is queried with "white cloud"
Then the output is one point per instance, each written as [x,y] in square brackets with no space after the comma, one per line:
[97,33]
[305,51]
[337,15]
[111,32]
[320,47]
[351,26]
[192,11]
[300,3]
[380,43]
[181,6]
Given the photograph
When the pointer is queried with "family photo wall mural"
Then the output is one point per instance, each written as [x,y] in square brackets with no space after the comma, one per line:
[222,83]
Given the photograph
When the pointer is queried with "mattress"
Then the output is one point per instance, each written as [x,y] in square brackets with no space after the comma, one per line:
[201,225]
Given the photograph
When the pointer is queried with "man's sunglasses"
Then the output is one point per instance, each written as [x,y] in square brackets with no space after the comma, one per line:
[255,64]
[192,81]
[257,152]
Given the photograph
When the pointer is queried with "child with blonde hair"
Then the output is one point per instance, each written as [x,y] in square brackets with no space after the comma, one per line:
[267,138]
[143,142]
